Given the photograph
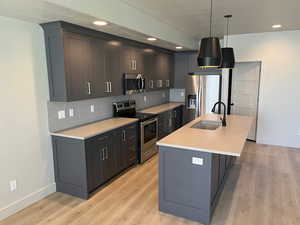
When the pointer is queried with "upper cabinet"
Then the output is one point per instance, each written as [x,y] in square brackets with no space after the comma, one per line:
[83,63]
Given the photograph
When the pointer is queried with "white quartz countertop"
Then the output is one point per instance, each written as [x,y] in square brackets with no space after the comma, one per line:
[162,108]
[94,129]
[227,140]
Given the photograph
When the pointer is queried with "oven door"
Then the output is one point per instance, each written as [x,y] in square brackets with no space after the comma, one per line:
[149,134]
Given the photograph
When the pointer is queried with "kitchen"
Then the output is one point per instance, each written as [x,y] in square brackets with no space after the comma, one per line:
[89,154]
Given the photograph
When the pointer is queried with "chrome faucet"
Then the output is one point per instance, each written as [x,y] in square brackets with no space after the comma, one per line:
[224,115]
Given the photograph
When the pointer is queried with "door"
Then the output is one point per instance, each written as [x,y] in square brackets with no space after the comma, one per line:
[77,50]
[149,69]
[94,161]
[113,72]
[98,87]
[245,92]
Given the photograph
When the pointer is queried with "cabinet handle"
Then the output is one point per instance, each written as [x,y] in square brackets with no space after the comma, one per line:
[134,64]
[124,135]
[103,155]
[175,114]
[110,87]
[167,83]
[107,87]
[106,152]
[170,122]
[89,87]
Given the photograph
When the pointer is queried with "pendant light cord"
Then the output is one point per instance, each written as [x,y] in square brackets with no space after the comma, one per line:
[227,31]
[210,27]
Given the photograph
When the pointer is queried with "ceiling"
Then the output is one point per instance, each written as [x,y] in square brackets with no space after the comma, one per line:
[40,11]
[190,17]
[249,16]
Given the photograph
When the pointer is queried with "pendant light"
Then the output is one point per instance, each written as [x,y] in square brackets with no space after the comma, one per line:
[210,55]
[228,60]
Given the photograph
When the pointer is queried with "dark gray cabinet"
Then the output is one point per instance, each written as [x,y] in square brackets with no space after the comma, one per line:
[84,63]
[81,166]
[169,121]
[181,69]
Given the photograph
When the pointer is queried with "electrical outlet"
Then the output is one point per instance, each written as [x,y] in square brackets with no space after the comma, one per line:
[145,98]
[61,114]
[182,94]
[71,112]
[92,108]
[13,185]
[197,161]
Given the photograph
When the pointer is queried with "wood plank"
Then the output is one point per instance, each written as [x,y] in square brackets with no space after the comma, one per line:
[263,188]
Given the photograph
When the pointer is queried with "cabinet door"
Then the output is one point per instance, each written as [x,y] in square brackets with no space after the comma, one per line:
[222,168]
[181,69]
[131,143]
[77,50]
[128,64]
[161,70]
[215,176]
[149,68]
[98,79]
[114,75]
[170,74]
[94,158]
[178,113]
[109,156]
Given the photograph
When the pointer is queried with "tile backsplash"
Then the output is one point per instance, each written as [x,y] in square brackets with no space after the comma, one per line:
[177,95]
[103,108]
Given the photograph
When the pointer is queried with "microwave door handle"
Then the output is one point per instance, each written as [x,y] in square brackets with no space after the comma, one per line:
[143,83]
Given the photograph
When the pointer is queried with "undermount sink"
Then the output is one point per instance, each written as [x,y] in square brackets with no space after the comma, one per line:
[207,124]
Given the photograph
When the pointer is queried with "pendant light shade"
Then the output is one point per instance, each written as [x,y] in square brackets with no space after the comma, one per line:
[228,60]
[210,55]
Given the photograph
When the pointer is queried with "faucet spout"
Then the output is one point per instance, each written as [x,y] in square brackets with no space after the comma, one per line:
[224,115]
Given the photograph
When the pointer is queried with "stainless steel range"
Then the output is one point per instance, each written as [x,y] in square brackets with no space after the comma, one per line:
[148,125]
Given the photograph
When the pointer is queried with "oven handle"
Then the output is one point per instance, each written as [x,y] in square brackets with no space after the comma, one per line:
[149,121]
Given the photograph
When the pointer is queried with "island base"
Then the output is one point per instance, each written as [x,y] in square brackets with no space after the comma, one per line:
[190,182]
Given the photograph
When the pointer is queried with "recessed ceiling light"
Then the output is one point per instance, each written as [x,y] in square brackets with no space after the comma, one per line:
[179,47]
[151,39]
[100,23]
[276,26]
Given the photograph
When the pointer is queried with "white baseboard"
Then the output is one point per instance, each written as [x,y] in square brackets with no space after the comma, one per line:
[26,201]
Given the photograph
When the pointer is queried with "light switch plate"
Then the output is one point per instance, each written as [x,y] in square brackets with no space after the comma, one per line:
[13,185]
[92,108]
[61,114]
[182,94]
[197,161]
[145,98]
[71,112]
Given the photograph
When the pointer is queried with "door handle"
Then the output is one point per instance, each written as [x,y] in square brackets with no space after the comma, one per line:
[110,87]
[89,88]
[124,135]
[103,155]
[107,87]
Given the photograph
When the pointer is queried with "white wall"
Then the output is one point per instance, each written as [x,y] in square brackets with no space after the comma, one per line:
[279,108]
[25,147]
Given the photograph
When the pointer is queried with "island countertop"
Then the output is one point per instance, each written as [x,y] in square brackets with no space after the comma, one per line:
[162,108]
[227,140]
[93,129]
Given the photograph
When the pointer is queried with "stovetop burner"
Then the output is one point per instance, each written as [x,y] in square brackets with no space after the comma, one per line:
[127,109]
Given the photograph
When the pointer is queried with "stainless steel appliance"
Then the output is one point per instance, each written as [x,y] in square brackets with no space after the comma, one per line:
[201,92]
[133,83]
[148,128]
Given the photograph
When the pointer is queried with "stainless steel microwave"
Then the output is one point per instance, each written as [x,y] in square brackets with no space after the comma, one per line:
[133,83]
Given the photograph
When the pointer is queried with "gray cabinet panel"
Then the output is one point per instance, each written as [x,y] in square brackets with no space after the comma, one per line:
[181,69]
[78,65]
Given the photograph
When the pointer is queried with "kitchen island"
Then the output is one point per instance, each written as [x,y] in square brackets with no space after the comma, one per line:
[194,164]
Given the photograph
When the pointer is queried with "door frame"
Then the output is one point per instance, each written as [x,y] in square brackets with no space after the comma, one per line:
[258,92]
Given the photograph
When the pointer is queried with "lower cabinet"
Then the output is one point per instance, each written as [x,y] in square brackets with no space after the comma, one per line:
[81,166]
[169,121]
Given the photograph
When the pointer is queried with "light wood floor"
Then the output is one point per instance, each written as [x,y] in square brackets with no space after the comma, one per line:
[263,189]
